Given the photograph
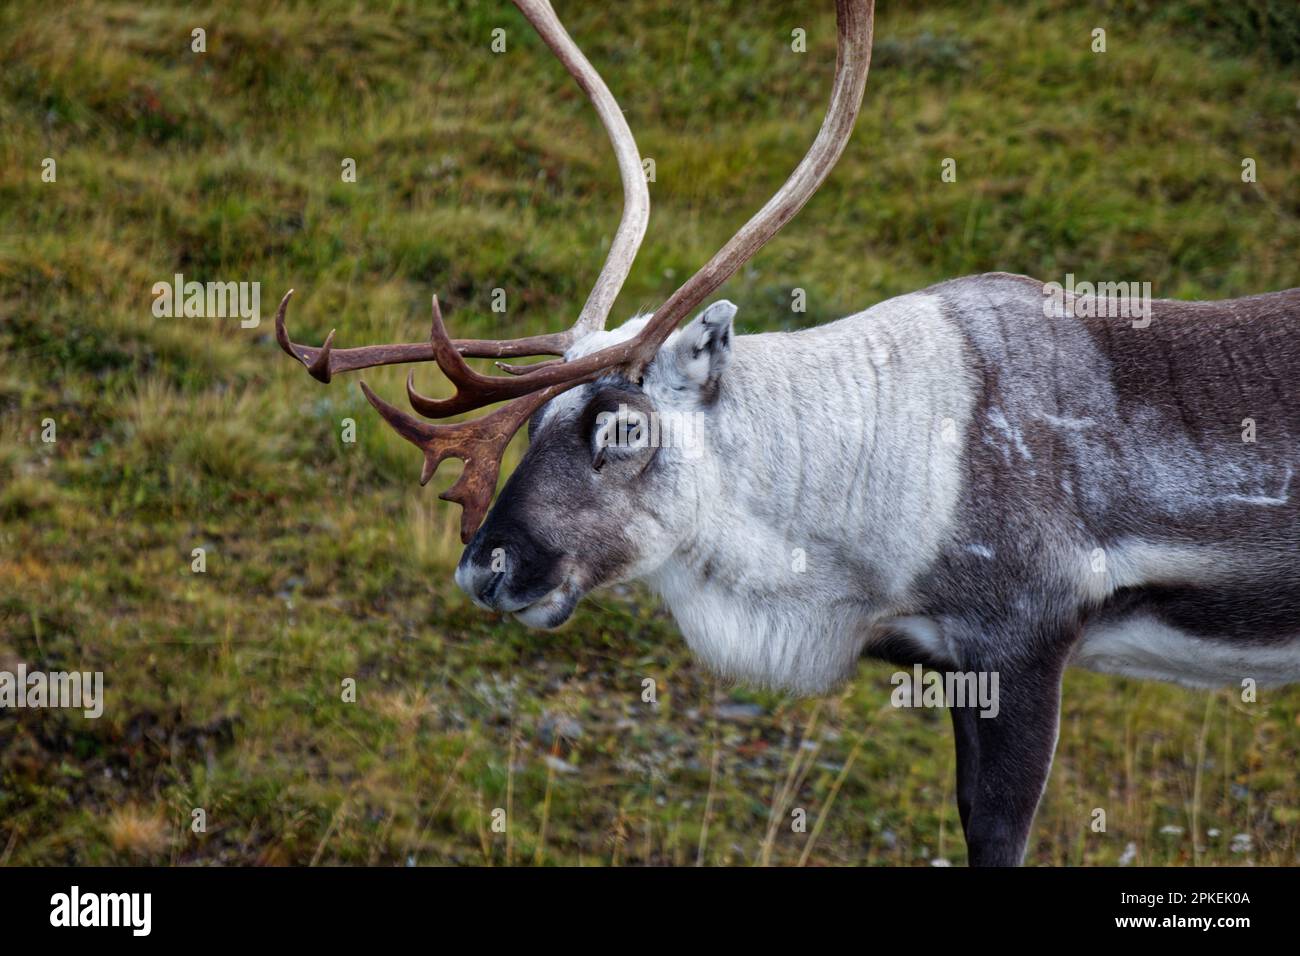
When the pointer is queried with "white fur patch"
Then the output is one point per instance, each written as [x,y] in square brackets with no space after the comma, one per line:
[1134,563]
[825,489]
[1147,648]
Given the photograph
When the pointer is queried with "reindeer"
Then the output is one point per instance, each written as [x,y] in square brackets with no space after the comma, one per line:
[973,480]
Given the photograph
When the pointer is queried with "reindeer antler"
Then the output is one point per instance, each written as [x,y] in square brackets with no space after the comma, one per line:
[480,443]
[324,362]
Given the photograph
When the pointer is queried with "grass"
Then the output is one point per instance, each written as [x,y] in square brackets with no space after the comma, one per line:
[324,560]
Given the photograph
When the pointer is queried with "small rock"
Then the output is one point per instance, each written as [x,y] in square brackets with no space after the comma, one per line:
[558,725]
[738,712]
[558,765]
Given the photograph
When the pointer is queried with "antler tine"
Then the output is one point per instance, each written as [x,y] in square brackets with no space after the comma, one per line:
[479,443]
[473,389]
[316,360]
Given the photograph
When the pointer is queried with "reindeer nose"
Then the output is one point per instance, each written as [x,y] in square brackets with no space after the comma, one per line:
[479,581]
[486,575]
[506,570]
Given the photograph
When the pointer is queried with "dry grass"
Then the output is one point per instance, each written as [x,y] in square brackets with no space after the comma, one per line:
[140,834]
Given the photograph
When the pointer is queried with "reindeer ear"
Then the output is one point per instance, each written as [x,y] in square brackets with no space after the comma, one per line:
[702,349]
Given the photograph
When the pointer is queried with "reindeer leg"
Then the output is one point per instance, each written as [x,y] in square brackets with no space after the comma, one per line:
[1004,758]
[964,720]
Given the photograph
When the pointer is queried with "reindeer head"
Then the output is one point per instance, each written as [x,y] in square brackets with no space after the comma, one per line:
[614,469]
[598,496]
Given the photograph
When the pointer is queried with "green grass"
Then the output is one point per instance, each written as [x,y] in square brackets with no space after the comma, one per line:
[325,560]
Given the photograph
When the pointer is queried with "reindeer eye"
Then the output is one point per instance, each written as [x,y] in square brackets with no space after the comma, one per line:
[601,436]
[600,441]
[616,429]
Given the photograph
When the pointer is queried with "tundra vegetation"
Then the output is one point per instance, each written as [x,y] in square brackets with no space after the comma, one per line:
[324,562]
